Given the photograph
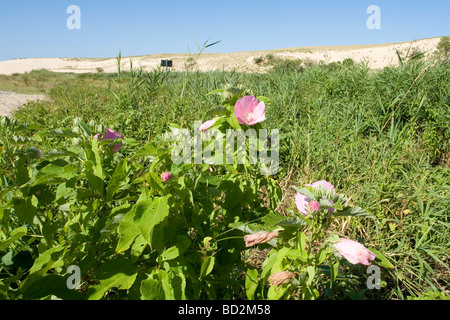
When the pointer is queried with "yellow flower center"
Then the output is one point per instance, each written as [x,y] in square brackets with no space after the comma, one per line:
[248,117]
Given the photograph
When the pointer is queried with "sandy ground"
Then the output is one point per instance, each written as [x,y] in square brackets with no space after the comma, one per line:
[10,101]
[377,56]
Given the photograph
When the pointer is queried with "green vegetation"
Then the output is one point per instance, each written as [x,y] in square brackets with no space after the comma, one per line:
[444,48]
[383,137]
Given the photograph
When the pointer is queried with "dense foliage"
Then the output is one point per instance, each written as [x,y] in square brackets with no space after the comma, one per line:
[381,138]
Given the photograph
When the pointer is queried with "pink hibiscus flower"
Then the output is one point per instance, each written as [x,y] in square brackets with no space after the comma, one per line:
[354,252]
[248,110]
[111,135]
[323,183]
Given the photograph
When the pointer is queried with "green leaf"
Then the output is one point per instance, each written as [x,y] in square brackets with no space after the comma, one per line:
[51,258]
[150,290]
[118,177]
[51,285]
[48,174]
[117,273]
[142,219]
[251,283]
[297,254]
[93,165]
[148,213]
[26,209]
[16,234]
[148,150]
[94,177]
[207,266]
[233,121]
[382,260]
[305,191]
[182,245]
[137,248]
[128,231]
[321,255]
[56,154]
[354,212]
[58,132]
[275,194]
[294,222]
[166,285]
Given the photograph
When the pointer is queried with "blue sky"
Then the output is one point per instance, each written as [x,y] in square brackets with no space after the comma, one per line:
[36,29]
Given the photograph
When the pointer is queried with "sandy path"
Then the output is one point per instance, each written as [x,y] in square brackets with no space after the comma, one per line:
[10,101]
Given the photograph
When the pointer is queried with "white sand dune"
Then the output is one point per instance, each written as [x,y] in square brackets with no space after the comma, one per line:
[377,56]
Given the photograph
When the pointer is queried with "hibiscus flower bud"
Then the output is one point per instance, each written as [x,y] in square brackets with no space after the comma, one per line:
[314,206]
[35,153]
[206,125]
[281,277]
[259,237]
[166,176]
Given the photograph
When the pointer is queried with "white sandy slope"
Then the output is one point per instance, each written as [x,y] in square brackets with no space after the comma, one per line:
[377,56]
[9,101]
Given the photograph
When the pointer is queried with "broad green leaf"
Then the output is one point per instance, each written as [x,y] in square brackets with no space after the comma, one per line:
[321,255]
[118,177]
[251,283]
[297,254]
[354,212]
[94,178]
[233,121]
[51,285]
[271,219]
[311,274]
[294,222]
[166,285]
[150,290]
[156,183]
[207,266]
[382,260]
[58,132]
[275,194]
[93,165]
[26,209]
[55,154]
[182,245]
[148,213]
[16,234]
[148,150]
[268,264]
[48,174]
[49,259]
[137,248]
[305,191]
[117,273]
[128,231]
